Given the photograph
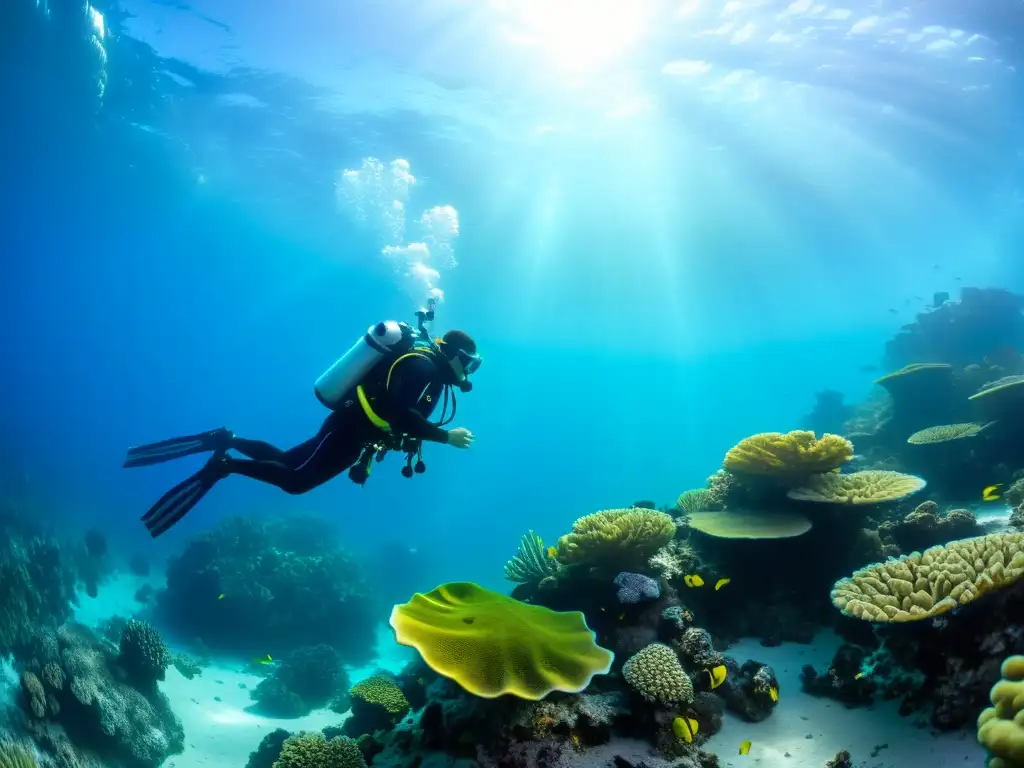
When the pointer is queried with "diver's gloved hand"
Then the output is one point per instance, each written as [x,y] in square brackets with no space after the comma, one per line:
[460,437]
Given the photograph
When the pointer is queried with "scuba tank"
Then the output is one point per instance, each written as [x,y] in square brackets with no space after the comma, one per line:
[379,342]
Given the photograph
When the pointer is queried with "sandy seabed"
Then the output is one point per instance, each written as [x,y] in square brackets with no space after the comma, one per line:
[803,732]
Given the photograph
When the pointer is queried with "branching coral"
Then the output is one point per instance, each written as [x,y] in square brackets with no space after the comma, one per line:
[794,454]
[919,586]
[867,487]
[532,562]
[674,559]
[656,674]
[616,537]
[144,657]
[491,644]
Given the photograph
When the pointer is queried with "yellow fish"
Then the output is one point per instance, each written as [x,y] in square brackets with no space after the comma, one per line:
[717,675]
[552,551]
[268,659]
[858,676]
[989,494]
[774,693]
[745,748]
[220,596]
[693,580]
[685,728]
[721,583]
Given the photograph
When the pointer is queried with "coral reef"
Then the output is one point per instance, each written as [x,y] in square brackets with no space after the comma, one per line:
[636,587]
[656,674]
[750,525]
[143,655]
[377,704]
[305,679]
[312,750]
[532,562]
[920,586]
[249,587]
[865,487]
[617,536]
[1001,726]
[492,644]
[84,701]
[791,455]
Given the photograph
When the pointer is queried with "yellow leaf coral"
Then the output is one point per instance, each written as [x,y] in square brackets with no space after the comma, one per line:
[868,487]
[793,454]
[1001,726]
[616,537]
[491,644]
[921,585]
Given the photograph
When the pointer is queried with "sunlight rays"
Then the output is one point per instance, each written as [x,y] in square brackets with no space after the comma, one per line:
[577,35]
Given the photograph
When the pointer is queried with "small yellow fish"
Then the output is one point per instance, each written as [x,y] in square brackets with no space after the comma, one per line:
[989,494]
[693,580]
[744,748]
[717,675]
[220,596]
[721,583]
[858,676]
[774,693]
[621,616]
[552,551]
[685,728]
[268,659]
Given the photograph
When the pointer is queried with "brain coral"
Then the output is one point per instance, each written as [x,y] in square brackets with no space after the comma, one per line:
[867,487]
[918,586]
[382,692]
[773,454]
[616,537]
[656,674]
[1001,726]
[491,644]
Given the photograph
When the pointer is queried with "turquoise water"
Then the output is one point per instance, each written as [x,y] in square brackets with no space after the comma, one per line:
[667,225]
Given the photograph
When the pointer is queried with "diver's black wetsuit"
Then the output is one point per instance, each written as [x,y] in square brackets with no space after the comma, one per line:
[416,384]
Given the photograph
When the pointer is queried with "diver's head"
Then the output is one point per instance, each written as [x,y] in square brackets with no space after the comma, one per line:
[459,351]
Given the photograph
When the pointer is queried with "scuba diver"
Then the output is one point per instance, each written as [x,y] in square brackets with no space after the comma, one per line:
[381,394]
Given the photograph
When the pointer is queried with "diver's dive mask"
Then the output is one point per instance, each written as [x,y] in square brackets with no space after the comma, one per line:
[470,363]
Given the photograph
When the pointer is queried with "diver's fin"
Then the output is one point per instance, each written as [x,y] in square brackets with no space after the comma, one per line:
[180,500]
[176,447]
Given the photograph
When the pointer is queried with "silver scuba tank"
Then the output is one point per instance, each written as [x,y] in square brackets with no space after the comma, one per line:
[380,341]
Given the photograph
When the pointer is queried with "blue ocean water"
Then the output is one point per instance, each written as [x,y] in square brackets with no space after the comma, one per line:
[676,222]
